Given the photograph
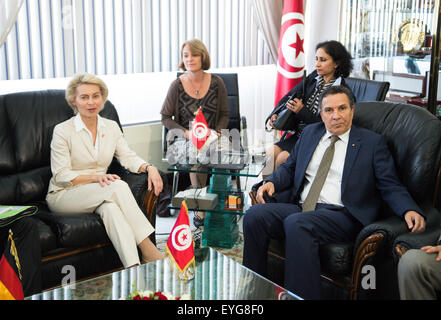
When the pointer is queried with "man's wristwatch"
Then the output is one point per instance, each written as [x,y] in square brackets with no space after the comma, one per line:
[147,167]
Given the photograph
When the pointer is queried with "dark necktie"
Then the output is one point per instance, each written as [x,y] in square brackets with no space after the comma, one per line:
[320,177]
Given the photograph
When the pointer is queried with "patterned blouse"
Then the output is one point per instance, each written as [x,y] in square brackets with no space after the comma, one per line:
[189,105]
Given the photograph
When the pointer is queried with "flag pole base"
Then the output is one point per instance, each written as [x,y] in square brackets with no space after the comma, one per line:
[187,275]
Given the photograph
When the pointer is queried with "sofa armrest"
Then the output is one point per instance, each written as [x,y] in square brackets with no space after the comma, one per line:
[394,226]
[418,240]
[138,185]
[390,228]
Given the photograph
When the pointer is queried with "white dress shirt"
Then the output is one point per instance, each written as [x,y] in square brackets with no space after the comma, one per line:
[80,125]
[331,190]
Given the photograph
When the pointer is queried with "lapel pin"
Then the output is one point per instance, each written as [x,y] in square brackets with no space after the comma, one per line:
[102,136]
[353,145]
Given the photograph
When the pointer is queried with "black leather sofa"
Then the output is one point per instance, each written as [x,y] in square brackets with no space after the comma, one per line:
[27,121]
[414,139]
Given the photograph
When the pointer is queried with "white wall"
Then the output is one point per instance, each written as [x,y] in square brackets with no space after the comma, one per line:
[146,141]
[321,24]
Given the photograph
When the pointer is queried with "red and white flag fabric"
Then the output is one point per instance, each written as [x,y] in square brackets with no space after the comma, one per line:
[199,130]
[291,57]
[180,245]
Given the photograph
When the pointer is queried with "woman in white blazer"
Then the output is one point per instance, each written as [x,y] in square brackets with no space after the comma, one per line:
[82,149]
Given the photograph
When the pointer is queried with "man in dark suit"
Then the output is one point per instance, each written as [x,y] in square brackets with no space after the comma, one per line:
[344,197]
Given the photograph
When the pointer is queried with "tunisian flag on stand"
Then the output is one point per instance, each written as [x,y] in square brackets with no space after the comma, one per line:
[291,58]
[199,130]
[180,244]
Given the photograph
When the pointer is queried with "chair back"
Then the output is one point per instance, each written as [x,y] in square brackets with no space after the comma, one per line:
[367,90]
[414,138]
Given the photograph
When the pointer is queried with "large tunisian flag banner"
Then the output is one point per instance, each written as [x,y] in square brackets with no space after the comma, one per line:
[291,57]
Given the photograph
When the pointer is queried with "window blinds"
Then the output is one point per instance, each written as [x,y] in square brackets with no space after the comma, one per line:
[58,38]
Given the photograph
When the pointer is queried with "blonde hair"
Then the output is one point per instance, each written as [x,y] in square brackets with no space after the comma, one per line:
[84,78]
[197,48]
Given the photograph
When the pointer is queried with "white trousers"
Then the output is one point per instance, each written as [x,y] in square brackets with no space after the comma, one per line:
[125,223]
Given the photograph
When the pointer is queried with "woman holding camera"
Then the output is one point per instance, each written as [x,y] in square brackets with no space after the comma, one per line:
[333,64]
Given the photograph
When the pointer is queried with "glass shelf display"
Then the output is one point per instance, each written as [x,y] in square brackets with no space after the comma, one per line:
[392,41]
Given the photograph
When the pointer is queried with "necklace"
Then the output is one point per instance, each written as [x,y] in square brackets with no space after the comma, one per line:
[202,83]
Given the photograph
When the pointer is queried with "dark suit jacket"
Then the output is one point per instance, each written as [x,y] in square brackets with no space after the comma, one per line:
[369,173]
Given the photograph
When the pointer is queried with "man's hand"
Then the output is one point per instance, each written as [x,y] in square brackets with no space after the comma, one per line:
[433,249]
[267,187]
[415,222]
[154,180]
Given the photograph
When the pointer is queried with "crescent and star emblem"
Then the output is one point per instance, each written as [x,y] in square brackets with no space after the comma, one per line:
[292,60]
[200,130]
[181,237]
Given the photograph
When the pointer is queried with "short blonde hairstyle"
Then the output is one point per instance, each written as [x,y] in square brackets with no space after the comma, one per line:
[84,78]
[197,48]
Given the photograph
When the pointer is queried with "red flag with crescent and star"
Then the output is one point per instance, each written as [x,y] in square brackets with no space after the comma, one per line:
[199,130]
[291,57]
[180,245]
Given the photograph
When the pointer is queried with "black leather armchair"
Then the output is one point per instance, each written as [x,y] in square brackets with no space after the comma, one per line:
[428,237]
[414,139]
[27,121]
[368,90]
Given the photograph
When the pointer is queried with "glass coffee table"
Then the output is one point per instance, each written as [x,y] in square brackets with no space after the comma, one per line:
[221,228]
[216,277]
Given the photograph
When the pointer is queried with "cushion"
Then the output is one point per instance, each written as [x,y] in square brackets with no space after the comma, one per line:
[77,230]
[48,241]
[336,258]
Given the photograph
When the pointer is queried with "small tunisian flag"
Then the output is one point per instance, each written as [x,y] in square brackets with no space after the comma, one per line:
[291,58]
[10,276]
[180,244]
[199,130]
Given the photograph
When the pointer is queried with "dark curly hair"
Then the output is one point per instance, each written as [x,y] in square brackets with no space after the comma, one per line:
[340,55]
